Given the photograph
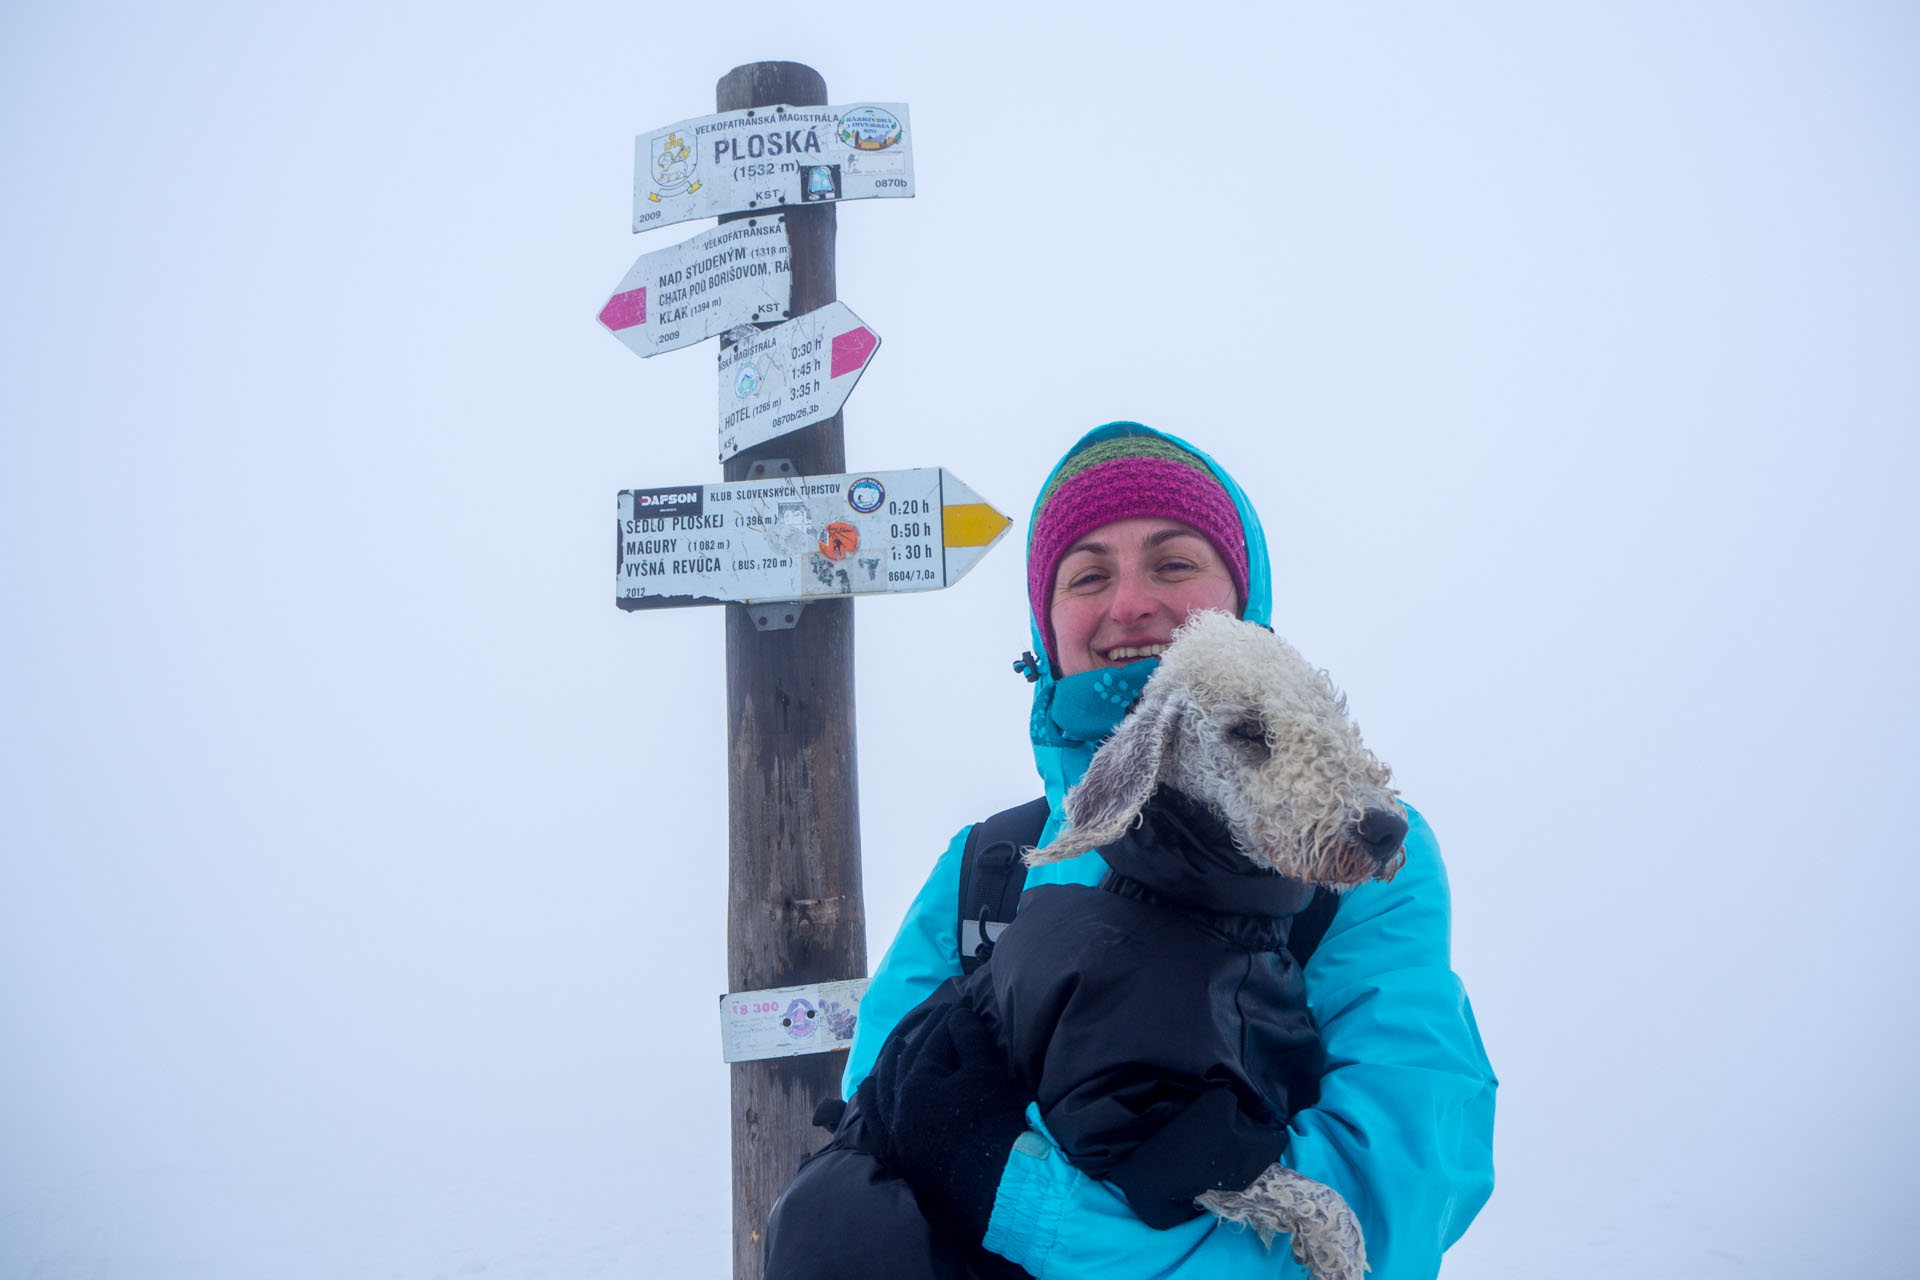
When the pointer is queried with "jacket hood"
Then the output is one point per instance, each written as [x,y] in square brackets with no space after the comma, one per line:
[1073,715]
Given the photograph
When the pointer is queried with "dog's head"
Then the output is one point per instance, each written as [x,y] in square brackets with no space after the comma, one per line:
[1235,718]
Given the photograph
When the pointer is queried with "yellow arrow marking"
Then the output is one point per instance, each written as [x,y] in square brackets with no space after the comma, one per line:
[971,524]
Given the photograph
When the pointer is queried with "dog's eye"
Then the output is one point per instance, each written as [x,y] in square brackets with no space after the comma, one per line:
[1250,733]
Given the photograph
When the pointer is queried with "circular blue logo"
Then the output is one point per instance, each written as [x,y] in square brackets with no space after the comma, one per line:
[865,495]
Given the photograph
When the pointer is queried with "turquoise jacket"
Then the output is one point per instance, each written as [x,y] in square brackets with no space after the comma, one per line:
[1404,1125]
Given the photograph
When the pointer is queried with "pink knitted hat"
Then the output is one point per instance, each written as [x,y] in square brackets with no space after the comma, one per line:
[1124,479]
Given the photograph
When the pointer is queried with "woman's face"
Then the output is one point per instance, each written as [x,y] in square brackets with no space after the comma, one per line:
[1122,589]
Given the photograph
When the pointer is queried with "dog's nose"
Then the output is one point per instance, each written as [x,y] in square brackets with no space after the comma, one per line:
[1381,831]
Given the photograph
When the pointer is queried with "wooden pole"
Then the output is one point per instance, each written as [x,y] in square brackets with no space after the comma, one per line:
[794,907]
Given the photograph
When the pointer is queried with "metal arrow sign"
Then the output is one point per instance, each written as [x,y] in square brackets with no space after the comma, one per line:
[799,538]
[791,376]
[740,161]
[700,288]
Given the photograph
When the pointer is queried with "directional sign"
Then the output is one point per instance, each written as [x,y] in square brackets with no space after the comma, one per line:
[799,538]
[703,287]
[765,157]
[782,379]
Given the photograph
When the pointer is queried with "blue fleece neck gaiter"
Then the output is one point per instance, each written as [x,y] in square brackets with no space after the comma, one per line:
[1085,708]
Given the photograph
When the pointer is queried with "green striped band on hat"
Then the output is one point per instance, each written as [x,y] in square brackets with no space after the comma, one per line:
[1124,447]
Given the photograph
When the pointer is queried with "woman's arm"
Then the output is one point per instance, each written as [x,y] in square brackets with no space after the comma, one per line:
[1403,1128]
[924,954]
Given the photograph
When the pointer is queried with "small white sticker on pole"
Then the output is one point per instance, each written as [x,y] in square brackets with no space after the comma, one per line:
[765,157]
[798,538]
[791,376]
[700,288]
[786,1021]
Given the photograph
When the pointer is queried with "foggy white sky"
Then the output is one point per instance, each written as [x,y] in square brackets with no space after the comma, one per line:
[363,868]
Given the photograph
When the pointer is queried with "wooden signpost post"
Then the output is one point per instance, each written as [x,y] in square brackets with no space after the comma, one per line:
[782,543]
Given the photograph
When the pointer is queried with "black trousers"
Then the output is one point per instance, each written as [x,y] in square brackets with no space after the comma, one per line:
[846,1215]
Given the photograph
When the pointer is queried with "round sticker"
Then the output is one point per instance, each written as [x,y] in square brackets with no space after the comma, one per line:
[841,541]
[799,1019]
[865,495]
[869,128]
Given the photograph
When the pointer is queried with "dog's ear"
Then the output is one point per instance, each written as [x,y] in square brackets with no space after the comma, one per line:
[1122,774]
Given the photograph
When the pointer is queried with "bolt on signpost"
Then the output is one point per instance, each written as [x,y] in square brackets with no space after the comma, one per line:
[783,541]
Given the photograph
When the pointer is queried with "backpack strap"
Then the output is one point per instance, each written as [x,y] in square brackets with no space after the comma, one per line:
[992,874]
[1310,925]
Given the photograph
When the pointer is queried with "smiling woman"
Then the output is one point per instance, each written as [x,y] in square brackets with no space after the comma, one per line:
[1132,532]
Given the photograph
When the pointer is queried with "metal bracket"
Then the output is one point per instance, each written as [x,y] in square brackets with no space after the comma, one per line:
[776,615]
[768,467]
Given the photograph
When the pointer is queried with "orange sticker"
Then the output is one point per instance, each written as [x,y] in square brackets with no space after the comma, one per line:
[842,540]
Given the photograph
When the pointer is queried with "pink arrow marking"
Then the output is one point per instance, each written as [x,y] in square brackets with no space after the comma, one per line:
[851,350]
[625,310]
